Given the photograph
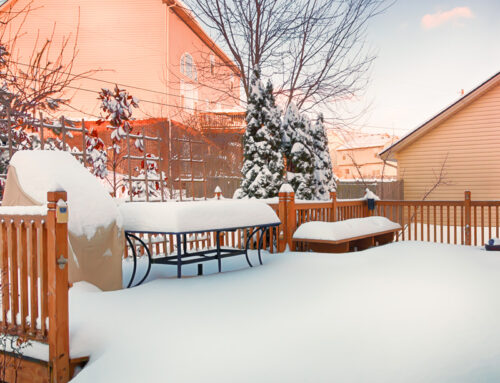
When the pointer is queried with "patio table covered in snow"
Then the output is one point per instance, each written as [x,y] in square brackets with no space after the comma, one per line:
[184,218]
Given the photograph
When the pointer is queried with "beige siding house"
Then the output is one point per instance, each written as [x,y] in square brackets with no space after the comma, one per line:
[461,143]
[357,158]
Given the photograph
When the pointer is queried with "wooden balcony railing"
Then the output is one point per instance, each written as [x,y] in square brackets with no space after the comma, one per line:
[34,285]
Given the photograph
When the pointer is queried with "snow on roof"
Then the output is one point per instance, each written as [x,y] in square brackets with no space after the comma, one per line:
[358,141]
[233,109]
[183,217]
[90,206]
[350,228]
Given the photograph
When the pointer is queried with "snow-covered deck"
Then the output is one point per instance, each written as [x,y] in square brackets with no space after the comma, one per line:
[404,312]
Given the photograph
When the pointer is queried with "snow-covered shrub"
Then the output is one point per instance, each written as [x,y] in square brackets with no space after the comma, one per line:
[118,107]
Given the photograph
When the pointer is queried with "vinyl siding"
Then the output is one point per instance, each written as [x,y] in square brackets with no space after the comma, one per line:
[121,41]
[470,142]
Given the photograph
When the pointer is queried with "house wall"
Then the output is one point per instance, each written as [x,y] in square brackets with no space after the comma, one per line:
[124,41]
[469,142]
[367,162]
[217,88]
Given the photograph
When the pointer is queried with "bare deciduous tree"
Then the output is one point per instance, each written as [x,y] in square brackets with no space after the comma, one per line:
[314,50]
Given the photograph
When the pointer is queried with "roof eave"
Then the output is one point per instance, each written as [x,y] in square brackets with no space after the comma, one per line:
[441,117]
[186,16]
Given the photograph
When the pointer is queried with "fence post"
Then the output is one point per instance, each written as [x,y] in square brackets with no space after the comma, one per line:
[333,209]
[57,258]
[467,218]
[282,201]
[218,192]
[291,218]
[286,213]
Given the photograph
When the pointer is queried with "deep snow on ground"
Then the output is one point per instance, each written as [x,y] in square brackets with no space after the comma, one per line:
[404,312]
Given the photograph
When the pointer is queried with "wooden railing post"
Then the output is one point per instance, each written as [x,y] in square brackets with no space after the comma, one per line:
[282,201]
[57,258]
[467,218]
[287,216]
[218,192]
[291,220]
[333,212]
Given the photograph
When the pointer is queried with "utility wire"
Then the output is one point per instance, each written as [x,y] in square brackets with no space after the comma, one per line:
[139,99]
[121,84]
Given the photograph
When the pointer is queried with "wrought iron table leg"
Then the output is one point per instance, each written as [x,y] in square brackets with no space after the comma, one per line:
[150,261]
[261,240]
[135,260]
[179,255]
[219,263]
[246,247]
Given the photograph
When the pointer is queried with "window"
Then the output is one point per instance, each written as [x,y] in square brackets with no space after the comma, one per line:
[347,172]
[189,96]
[187,66]
[2,2]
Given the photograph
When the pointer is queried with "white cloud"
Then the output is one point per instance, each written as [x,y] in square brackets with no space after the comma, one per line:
[434,20]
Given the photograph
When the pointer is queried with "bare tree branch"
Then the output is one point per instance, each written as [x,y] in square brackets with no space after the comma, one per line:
[316,49]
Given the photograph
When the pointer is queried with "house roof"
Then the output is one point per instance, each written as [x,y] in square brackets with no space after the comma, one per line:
[441,116]
[183,12]
[361,141]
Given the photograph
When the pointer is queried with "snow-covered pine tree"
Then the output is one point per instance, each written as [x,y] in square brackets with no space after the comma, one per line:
[297,146]
[272,114]
[323,175]
[263,165]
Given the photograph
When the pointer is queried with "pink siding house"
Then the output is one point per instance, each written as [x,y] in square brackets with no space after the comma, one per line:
[155,48]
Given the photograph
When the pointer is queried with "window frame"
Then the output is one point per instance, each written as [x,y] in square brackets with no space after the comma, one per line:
[187,61]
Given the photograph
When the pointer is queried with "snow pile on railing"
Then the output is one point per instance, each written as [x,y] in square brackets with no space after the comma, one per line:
[23,210]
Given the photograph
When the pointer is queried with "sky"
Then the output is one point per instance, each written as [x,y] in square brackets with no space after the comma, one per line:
[427,52]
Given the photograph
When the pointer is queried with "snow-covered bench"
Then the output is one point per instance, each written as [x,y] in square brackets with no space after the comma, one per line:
[349,235]
[184,218]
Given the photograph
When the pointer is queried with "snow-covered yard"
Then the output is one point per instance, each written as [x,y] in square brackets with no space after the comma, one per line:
[405,312]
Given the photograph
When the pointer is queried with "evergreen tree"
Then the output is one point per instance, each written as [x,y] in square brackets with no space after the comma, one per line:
[323,175]
[297,146]
[263,166]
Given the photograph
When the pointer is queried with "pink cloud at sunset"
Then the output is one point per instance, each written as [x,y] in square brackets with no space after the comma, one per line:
[434,20]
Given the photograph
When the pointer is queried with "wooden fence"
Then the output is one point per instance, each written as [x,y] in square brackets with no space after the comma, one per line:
[34,286]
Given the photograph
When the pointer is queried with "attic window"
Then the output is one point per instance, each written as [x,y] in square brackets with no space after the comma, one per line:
[187,66]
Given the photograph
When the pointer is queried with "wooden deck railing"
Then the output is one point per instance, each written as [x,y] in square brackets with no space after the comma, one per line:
[464,222]
[34,281]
